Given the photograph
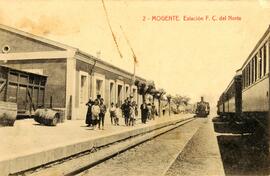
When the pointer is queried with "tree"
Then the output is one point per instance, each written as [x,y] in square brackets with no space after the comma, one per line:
[186,100]
[159,94]
[144,87]
[169,97]
[179,100]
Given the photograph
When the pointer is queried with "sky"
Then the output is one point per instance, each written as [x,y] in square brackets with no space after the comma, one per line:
[192,58]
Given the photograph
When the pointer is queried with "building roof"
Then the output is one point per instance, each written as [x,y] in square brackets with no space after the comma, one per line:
[65,47]
[35,37]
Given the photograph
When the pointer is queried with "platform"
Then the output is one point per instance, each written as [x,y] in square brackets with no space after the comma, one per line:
[29,144]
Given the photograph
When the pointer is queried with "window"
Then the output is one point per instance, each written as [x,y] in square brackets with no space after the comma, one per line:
[260,67]
[119,94]
[83,90]
[256,68]
[243,78]
[264,60]
[250,73]
[252,70]
[248,76]
[112,92]
[99,88]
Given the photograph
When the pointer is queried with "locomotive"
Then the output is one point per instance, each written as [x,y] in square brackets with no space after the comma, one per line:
[244,105]
[202,108]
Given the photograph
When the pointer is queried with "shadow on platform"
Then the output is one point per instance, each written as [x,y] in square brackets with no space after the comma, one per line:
[244,155]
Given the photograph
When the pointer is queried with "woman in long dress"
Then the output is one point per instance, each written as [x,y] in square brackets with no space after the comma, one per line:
[88,119]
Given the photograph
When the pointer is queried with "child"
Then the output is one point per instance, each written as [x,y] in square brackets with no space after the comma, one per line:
[118,113]
[95,113]
[113,114]
[132,111]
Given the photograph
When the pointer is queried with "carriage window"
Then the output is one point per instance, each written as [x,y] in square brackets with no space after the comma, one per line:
[260,67]
[264,60]
[243,79]
[246,77]
[252,71]
[248,70]
[256,68]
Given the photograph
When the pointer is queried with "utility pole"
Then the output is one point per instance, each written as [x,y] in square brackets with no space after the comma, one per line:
[91,73]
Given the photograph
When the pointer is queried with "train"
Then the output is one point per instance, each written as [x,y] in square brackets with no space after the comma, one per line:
[243,107]
[202,108]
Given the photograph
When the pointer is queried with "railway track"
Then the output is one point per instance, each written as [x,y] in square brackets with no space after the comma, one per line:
[81,162]
[153,157]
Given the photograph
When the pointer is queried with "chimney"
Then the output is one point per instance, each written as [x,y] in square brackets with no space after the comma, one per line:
[201,99]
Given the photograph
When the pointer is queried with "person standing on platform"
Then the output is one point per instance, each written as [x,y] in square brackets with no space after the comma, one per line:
[118,113]
[102,113]
[88,119]
[99,98]
[149,117]
[153,111]
[163,110]
[125,109]
[132,114]
[144,112]
[95,113]
[112,113]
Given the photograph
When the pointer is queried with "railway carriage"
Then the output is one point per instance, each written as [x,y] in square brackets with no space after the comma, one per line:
[244,105]
[229,103]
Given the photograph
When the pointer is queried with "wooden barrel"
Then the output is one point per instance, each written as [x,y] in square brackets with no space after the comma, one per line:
[47,117]
[8,113]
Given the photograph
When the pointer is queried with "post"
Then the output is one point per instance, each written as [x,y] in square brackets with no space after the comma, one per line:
[70,108]
[134,71]
[159,107]
[169,108]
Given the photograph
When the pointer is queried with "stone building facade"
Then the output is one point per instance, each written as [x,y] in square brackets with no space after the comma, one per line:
[73,76]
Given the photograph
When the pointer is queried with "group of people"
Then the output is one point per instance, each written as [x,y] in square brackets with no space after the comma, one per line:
[96,113]
[128,110]
[148,112]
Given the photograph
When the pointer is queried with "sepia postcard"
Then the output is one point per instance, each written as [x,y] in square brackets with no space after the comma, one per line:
[134,87]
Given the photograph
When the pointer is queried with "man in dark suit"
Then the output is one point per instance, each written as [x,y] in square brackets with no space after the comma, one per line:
[144,112]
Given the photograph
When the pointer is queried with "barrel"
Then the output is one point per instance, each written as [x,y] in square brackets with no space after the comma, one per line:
[8,113]
[47,117]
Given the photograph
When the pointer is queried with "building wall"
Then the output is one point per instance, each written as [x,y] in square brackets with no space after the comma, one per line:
[70,82]
[18,43]
[55,69]
[111,82]
[64,84]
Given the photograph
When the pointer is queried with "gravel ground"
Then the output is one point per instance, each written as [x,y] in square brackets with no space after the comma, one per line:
[151,158]
[208,153]
[201,155]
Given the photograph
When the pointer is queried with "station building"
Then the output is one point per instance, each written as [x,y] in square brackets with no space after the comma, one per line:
[73,76]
